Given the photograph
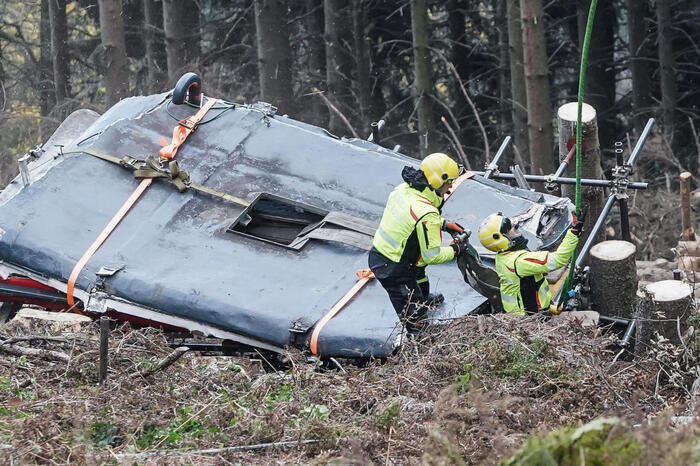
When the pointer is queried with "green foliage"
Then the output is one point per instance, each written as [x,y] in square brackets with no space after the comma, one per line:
[463,380]
[149,437]
[104,434]
[284,393]
[389,416]
[315,412]
[604,441]
[183,427]
[520,360]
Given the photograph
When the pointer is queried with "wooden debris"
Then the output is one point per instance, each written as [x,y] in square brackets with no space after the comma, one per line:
[164,363]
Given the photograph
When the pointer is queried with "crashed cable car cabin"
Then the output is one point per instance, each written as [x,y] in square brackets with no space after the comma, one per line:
[250,232]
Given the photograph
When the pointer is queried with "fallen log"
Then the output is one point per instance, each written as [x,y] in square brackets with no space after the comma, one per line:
[613,278]
[34,352]
[662,307]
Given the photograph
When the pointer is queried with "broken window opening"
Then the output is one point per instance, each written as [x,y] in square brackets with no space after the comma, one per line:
[277,220]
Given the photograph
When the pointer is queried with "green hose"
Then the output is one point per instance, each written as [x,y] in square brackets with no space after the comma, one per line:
[581,90]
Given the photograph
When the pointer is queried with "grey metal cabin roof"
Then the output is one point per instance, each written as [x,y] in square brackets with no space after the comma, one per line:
[173,251]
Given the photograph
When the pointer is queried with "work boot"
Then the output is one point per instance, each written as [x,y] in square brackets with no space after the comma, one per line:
[435,299]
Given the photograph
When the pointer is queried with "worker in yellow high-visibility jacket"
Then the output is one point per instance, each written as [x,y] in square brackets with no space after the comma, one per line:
[409,237]
[521,272]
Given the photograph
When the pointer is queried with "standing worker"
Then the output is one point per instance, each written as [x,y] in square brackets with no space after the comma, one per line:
[522,272]
[409,237]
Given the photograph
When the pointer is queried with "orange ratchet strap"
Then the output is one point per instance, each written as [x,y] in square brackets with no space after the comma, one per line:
[180,134]
[182,130]
[365,276]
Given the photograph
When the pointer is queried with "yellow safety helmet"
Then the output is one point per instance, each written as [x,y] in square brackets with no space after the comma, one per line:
[438,169]
[492,232]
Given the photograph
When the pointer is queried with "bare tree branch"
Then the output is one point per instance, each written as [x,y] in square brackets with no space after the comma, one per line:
[335,109]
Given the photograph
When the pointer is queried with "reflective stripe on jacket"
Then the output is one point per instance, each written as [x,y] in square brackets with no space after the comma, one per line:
[522,275]
[410,229]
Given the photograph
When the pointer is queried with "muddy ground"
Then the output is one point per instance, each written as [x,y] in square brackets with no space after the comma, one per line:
[470,392]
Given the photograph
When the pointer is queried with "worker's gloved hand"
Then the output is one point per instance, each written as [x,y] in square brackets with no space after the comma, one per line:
[577,226]
[458,246]
[452,227]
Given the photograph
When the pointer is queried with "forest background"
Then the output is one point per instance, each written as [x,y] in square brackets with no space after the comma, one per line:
[488,68]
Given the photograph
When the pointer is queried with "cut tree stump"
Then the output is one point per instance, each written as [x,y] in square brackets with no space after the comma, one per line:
[613,278]
[592,199]
[662,307]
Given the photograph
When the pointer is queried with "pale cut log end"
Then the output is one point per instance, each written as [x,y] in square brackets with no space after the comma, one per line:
[613,250]
[569,112]
[686,176]
[667,290]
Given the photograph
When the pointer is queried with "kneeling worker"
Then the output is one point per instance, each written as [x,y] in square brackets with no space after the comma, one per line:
[409,237]
[522,272]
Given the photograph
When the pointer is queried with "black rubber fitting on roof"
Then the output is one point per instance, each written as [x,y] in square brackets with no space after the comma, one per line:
[188,87]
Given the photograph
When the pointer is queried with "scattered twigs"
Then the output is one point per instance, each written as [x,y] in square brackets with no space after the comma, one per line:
[338,112]
[163,363]
[209,451]
[457,144]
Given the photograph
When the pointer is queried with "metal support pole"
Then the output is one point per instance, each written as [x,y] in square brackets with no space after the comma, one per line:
[493,166]
[104,348]
[548,179]
[628,332]
[594,232]
[640,142]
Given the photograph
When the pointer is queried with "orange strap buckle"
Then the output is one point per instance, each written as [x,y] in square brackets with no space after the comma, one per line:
[183,130]
[180,134]
[364,275]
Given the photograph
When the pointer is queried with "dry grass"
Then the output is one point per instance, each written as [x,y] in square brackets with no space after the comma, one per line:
[471,391]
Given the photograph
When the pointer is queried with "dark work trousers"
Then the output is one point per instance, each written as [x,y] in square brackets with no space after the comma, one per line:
[400,281]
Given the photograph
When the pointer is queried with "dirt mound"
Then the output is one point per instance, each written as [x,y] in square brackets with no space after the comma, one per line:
[472,391]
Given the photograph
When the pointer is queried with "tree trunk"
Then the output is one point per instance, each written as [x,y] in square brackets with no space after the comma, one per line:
[503,71]
[613,278]
[539,107]
[338,61]
[460,53]
[423,87]
[600,75]
[316,64]
[116,77]
[637,11]
[47,92]
[662,307]
[156,60]
[517,80]
[181,25]
[667,66]
[274,53]
[59,49]
[592,199]
[363,85]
